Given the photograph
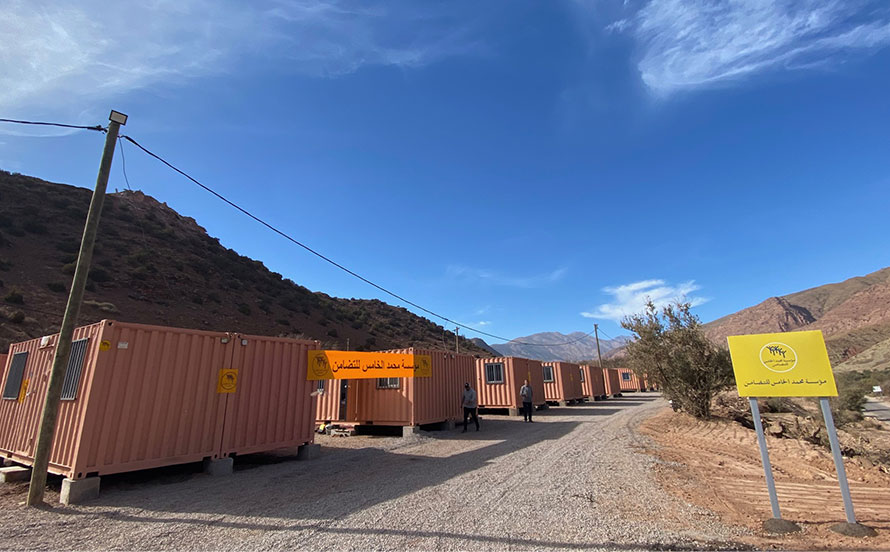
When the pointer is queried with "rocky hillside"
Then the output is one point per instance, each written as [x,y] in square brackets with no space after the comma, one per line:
[154,266]
[583,349]
[854,316]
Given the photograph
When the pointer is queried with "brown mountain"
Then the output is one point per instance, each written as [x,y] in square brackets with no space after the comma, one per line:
[152,265]
[854,316]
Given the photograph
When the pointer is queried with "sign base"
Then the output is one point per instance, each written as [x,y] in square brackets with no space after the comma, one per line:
[853,530]
[776,526]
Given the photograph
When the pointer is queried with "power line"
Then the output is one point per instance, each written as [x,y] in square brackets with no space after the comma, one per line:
[331,261]
[97,128]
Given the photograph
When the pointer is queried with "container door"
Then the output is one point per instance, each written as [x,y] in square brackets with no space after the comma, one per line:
[344,400]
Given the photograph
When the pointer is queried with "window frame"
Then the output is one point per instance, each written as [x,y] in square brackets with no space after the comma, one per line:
[387,383]
[625,376]
[544,369]
[77,354]
[7,388]
[581,369]
[494,366]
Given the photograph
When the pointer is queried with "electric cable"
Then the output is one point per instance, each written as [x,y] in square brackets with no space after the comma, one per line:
[97,128]
[331,261]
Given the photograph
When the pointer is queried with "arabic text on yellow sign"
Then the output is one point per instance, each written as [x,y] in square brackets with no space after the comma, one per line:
[325,365]
[789,364]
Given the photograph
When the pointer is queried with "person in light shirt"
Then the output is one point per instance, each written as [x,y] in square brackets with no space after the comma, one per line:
[469,402]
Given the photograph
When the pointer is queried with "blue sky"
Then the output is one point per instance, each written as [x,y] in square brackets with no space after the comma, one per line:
[518,166]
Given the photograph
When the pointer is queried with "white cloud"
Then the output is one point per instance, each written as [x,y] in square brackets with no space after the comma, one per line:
[685,44]
[73,54]
[497,278]
[631,298]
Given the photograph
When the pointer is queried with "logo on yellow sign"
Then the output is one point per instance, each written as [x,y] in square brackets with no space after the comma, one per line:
[228,381]
[325,365]
[790,364]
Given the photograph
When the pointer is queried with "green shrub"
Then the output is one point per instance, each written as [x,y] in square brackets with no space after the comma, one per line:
[68,268]
[17,317]
[5,265]
[58,287]
[99,275]
[14,297]
[244,309]
[283,321]
[333,332]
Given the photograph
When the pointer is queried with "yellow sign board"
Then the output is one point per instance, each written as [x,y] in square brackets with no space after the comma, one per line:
[228,381]
[324,365]
[789,364]
[23,392]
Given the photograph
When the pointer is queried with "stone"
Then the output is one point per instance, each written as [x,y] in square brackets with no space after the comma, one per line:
[408,431]
[220,466]
[75,491]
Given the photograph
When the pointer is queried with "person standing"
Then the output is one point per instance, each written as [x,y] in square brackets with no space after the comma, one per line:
[469,402]
[526,393]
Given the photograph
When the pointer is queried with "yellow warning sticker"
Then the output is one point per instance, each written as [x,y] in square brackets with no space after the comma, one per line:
[228,381]
[105,345]
[23,392]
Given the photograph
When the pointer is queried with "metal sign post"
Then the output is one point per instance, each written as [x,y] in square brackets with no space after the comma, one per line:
[838,460]
[764,458]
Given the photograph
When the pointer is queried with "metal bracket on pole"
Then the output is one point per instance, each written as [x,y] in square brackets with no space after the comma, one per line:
[764,458]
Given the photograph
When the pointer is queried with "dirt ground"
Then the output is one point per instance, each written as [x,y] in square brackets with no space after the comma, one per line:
[575,479]
[716,465]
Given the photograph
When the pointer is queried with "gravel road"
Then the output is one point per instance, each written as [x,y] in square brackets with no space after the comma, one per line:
[577,478]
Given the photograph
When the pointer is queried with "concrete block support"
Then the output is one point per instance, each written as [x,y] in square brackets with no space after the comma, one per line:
[408,431]
[220,466]
[450,425]
[14,473]
[75,491]
[308,451]
[513,411]
[563,403]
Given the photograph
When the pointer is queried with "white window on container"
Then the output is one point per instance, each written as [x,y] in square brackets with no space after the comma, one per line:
[582,375]
[494,372]
[388,383]
[16,373]
[320,386]
[625,376]
[548,374]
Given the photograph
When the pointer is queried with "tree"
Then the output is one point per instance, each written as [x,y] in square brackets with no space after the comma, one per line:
[672,350]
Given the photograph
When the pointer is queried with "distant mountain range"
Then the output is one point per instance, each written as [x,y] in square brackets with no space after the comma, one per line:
[580,346]
[854,316]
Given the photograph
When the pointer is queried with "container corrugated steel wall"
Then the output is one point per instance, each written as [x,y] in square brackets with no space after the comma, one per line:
[147,397]
[566,384]
[417,401]
[506,395]
[629,380]
[327,407]
[21,419]
[273,406]
[613,381]
[152,399]
[594,384]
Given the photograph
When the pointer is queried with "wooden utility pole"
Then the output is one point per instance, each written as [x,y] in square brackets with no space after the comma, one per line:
[69,320]
[456,342]
[596,333]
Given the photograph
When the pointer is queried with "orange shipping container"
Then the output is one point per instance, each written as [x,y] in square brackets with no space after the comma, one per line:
[499,379]
[593,383]
[138,396]
[613,382]
[562,382]
[629,380]
[400,401]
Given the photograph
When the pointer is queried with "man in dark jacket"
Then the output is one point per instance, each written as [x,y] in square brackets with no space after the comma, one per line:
[526,393]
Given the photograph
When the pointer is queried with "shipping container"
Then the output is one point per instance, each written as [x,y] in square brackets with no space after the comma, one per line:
[499,379]
[562,382]
[593,382]
[629,381]
[138,396]
[613,382]
[401,401]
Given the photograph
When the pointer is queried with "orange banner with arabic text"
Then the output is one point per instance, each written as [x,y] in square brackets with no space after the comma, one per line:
[325,365]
